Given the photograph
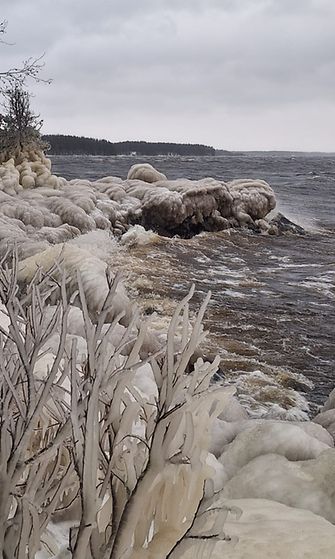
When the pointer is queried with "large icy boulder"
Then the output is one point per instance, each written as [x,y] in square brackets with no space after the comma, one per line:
[270,438]
[252,199]
[307,484]
[145,172]
[265,530]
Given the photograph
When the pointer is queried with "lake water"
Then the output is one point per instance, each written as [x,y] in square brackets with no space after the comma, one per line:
[271,317]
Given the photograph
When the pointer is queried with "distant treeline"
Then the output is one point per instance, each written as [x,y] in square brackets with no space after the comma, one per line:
[75,145]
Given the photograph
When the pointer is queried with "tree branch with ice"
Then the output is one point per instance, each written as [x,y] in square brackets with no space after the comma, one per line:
[82,440]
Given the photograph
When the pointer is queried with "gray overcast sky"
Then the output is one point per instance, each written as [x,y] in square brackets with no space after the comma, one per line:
[236,74]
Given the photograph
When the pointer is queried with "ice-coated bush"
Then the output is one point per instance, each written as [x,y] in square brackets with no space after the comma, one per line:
[84,440]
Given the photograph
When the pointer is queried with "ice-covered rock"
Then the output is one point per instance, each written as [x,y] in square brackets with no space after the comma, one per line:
[330,402]
[224,432]
[138,236]
[265,530]
[145,172]
[305,484]
[270,438]
[327,420]
[78,260]
[33,196]
[251,199]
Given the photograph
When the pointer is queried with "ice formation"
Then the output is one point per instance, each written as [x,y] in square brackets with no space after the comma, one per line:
[145,172]
[39,206]
[76,261]
[266,530]
[138,236]
[281,474]
[326,417]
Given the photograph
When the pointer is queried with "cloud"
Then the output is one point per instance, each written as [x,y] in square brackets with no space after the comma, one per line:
[179,69]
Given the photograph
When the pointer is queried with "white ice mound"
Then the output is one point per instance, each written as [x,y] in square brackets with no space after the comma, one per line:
[9,178]
[326,417]
[206,203]
[138,236]
[233,411]
[172,204]
[78,259]
[282,439]
[145,172]
[327,420]
[225,431]
[307,485]
[265,530]
[330,402]
[252,199]
[34,171]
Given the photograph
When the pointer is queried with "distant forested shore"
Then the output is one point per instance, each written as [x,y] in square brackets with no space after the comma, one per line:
[75,145]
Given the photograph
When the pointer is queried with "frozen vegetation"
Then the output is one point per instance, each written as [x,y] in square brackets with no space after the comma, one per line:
[114,443]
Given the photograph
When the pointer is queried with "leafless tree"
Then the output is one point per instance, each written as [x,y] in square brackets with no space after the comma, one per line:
[17,75]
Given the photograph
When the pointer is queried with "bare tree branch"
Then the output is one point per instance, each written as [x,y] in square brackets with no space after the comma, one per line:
[29,69]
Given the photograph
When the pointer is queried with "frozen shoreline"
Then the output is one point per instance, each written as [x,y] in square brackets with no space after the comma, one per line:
[254,463]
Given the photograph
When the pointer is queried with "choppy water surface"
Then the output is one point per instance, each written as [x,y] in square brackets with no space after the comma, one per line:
[271,315]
